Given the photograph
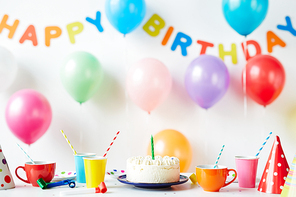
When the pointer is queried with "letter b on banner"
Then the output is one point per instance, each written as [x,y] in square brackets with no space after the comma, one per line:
[151,23]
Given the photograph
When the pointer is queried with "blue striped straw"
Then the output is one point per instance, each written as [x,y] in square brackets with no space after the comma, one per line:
[216,164]
[263,144]
[26,153]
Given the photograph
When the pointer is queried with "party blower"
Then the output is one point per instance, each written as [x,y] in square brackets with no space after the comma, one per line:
[43,185]
[101,189]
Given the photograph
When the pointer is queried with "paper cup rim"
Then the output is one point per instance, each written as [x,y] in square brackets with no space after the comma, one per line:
[211,167]
[246,157]
[85,154]
[95,158]
[39,162]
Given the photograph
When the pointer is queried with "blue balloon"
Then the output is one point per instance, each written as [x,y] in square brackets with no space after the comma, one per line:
[125,15]
[244,16]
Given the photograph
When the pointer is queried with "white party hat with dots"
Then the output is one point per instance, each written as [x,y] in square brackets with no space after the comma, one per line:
[6,181]
[276,170]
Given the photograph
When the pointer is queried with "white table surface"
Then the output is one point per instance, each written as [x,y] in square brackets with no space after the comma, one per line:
[115,188]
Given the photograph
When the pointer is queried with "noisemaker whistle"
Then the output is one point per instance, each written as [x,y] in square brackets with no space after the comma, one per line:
[43,185]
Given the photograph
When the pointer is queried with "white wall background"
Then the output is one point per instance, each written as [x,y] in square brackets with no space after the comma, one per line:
[110,109]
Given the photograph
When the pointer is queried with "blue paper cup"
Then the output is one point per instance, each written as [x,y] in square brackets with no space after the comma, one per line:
[79,165]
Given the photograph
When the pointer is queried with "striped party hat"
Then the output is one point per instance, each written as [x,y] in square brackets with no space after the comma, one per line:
[289,189]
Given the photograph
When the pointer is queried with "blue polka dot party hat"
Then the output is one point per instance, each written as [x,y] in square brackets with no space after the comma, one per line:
[289,189]
[6,181]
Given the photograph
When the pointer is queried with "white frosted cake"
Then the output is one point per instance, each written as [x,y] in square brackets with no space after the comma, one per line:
[160,170]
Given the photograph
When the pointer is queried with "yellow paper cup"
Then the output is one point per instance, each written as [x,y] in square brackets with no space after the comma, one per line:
[95,168]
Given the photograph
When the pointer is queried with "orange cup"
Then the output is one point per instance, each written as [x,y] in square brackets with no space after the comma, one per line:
[213,179]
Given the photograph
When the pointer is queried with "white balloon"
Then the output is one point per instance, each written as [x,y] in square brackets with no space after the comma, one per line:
[8,68]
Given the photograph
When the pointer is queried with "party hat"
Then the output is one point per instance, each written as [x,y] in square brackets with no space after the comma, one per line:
[289,189]
[276,170]
[6,181]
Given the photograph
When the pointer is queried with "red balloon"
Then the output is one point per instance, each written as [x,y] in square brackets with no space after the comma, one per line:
[265,79]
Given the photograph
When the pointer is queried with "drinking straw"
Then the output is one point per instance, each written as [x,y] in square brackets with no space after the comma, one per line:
[26,153]
[111,144]
[219,156]
[263,144]
[75,153]
[152,148]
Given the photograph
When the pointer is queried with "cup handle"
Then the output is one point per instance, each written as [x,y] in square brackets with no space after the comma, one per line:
[232,179]
[26,181]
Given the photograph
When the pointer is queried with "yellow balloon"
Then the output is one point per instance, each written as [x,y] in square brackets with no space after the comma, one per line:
[173,143]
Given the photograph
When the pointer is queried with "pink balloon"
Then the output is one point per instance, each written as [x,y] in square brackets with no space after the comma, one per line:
[148,83]
[28,115]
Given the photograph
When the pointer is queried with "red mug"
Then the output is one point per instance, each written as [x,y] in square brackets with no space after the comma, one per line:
[41,169]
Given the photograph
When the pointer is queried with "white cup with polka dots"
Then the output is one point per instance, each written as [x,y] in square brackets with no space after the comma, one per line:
[246,168]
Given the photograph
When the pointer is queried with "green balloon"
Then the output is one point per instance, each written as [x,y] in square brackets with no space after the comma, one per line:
[81,75]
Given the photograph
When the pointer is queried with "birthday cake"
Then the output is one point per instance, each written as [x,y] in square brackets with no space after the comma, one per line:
[160,170]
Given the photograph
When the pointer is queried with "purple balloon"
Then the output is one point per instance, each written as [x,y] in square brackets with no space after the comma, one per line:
[206,80]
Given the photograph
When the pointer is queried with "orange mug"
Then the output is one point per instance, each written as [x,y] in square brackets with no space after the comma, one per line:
[213,179]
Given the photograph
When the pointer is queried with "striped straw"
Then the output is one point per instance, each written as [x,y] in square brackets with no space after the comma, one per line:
[263,144]
[75,153]
[111,144]
[26,153]
[216,164]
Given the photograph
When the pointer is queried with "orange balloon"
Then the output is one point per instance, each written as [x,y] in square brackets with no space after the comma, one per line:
[173,143]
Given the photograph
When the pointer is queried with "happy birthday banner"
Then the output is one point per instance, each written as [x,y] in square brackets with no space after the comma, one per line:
[206,78]
[152,27]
